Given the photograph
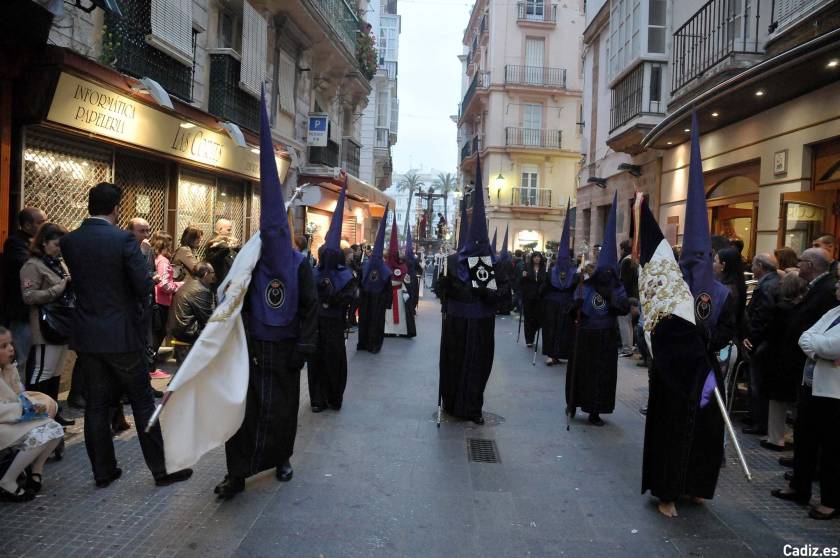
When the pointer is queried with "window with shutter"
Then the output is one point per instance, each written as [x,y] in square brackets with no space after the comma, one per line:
[254,46]
[172,29]
[286,81]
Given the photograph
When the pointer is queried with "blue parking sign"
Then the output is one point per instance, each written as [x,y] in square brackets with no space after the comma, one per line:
[318,133]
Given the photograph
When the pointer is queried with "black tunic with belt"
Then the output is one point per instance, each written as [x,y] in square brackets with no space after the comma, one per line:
[467,343]
[326,370]
[531,285]
[266,438]
[372,307]
[558,321]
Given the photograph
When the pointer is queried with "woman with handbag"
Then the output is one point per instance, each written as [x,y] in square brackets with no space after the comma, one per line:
[45,286]
[185,260]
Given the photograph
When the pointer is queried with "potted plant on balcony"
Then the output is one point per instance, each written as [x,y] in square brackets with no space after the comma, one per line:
[366,55]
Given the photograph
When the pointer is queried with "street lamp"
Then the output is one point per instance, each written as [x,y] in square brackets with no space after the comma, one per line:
[499,183]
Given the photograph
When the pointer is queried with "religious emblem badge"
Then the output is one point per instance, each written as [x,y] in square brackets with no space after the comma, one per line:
[275,294]
[563,276]
[374,275]
[326,284]
[703,306]
[598,302]
[481,272]
[397,272]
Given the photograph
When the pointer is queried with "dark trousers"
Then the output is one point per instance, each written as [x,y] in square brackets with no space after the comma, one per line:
[531,309]
[159,318]
[817,441]
[108,375]
[759,404]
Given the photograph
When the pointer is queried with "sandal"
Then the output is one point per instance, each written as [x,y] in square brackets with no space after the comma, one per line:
[814,513]
[19,495]
[33,482]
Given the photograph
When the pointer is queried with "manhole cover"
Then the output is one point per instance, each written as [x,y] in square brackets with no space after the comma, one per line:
[483,451]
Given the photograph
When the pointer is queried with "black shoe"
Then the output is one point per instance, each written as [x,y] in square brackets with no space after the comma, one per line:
[478,419]
[788,475]
[754,430]
[596,420]
[334,406]
[571,413]
[172,478]
[63,421]
[229,487]
[771,446]
[786,462]
[19,495]
[284,472]
[33,483]
[790,496]
[103,482]
[317,408]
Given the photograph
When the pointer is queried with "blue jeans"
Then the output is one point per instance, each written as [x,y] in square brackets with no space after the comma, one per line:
[22,341]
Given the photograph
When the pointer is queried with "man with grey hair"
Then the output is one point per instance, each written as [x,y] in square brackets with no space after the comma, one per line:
[222,249]
[764,351]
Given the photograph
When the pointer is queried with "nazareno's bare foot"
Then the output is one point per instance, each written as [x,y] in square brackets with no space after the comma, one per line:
[697,500]
[668,509]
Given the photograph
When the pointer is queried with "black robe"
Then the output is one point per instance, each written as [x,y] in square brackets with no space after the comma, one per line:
[683,443]
[504,280]
[466,345]
[413,287]
[531,311]
[592,371]
[326,370]
[372,308]
[266,438]
[558,321]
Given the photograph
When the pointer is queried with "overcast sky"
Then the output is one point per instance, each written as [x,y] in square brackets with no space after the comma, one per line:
[429,83]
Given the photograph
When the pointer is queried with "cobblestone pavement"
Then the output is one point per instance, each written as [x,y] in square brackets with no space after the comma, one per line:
[379,479]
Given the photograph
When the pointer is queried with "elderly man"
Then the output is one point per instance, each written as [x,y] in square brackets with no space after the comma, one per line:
[827,242]
[222,249]
[15,254]
[191,307]
[764,352]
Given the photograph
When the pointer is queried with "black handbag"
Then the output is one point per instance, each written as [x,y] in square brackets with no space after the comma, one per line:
[56,321]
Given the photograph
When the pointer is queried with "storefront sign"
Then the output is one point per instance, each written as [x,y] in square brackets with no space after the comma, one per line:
[84,105]
[319,125]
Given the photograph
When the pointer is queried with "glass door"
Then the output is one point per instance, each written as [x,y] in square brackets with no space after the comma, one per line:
[534,61]
[805,216]
[529,185]
[532,124]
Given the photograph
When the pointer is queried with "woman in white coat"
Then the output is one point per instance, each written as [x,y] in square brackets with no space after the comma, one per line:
[818,414]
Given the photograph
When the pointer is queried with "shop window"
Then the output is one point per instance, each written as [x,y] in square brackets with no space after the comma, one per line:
[58,172]
[202,200]
[144,185]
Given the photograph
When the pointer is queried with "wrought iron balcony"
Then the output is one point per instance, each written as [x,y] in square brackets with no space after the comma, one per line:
[719,29]
[324,155]
[536,11]
[227,100]
[350,151]
[342,18]
[481,80]
[124,42]
[537,76]
[635,95]
[466,150]
[530,197]
[533,137]
[471,147]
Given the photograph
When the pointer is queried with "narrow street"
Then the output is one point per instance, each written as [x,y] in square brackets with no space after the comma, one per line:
[378,479]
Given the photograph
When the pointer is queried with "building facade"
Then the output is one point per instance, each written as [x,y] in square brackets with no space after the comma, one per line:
[521,105]
[380,118]
[163,100]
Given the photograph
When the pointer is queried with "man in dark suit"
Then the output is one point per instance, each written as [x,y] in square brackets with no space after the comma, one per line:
[764,354]
[111,283]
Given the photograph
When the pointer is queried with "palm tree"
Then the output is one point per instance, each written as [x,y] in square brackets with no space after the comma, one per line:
[411,182]
[446,184]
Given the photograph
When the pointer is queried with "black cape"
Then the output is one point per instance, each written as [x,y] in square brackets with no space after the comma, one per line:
[266,437]
[467,346]
[683,443]
[326,370]
[504,280]
[372,308]
[558,321]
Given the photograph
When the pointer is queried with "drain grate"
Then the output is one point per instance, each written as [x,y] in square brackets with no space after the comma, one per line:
[483,451]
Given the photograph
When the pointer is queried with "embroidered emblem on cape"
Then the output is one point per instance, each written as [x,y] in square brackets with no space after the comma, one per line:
[397,272]
[598,302]
[275,294]
[563,276]
[374,275]
[703,306]
[326,284]
[481,272]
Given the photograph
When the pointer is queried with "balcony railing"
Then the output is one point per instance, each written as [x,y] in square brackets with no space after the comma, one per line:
[132,55]
[350,151]
[324,155]
[227,100]
[532,137]
[536,11]
[635,95]
[719,29]
[390,67]
[536,76]
[783,13]
[342,18]
[466,150]
[481,80]
[530,197]
[382,141]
